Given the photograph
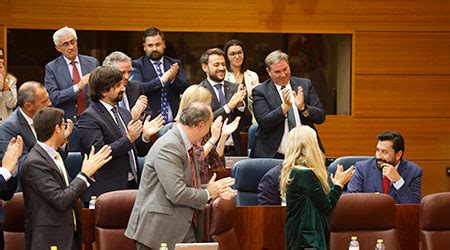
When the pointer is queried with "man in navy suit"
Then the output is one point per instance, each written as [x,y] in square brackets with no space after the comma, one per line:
[31,97]
[8,175]
[227,98]
[132,100]
[162,78]
[281,103]
[269,187]
[388,172]
[67,76]
[106,123]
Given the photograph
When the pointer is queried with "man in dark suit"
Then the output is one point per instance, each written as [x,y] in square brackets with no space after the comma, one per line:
[388,172]
[52,215]
[32,97]
[104,123]
[162,78]
[133,99]
[67,76]
[9,175]
[281,103]
[227,98]
[170,195]
[269,187]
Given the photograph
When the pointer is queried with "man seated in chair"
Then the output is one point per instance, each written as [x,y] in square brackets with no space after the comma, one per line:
[388,172]
[269,188]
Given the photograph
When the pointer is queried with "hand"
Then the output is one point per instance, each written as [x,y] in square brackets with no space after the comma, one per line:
[83,81]
[68,129]
[12,154]
[390,172]
[216,129]
[229,128]
[152,127]
[216,188]
[139,107]
[170,74]
[134,130]
[299,98]
[236,99]
[96,161]
[3,75]
[342,177]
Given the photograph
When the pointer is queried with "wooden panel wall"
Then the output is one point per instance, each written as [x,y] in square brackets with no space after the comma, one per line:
[401,57]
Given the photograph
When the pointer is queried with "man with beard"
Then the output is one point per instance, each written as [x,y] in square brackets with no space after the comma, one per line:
[105,123]
[227,98]
[388,172]
[162,78]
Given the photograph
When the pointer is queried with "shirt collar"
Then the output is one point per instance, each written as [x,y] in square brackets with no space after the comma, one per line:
[107,106]
[50,151]
[278,86]
[160,61]
[187,143]
[69,61]
[213,83]
[27,118]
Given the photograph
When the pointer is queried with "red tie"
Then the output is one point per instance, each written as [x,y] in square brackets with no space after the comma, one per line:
[81,99]
[386,184]
[191,163]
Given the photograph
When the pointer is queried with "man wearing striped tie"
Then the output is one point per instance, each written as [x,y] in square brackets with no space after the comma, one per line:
[52,215]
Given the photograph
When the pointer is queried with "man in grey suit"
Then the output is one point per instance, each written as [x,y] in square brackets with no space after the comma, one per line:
[52,214]
[67,76]
[32,97]
[227,98]
[170,197]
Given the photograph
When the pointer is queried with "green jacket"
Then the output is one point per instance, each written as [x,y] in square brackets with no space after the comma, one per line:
[308,211]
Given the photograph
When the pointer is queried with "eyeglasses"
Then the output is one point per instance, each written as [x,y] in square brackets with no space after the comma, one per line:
[67,44]
[237,53]
[64,125]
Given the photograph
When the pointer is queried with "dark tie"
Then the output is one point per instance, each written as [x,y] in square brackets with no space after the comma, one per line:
[164,90]
[386,184]
[81,99]
[222,98]
[123,131]
[194,181]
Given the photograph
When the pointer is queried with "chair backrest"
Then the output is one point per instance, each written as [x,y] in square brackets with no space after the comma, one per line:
[369,216]
[221,225]
[247,174]
[435,221]
[13,224]
[165,128]
[251,136]
[73,163]
[112,212]
[140,166]
[346,162]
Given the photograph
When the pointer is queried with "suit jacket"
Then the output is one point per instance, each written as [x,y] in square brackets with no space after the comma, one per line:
[166,198]
[246,117]
[270,117]
[50,204]
[97,128]
[368,179]
[144,72]
[308,211]
[269,187]
[133,91]
[59,84]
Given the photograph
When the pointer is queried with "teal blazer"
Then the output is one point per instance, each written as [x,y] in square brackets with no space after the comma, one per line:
[308,211]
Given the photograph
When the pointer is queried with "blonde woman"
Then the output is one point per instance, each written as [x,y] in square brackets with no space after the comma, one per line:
[309,197]
[210,151]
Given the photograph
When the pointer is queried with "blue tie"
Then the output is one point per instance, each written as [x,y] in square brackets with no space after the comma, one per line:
[222,98]
[164,99]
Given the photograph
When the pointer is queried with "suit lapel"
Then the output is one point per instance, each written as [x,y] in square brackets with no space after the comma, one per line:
[27,133]
[275,99]
[215,104]
[64,71]
[107,117]
[228,91]
[149,68]
[51,164]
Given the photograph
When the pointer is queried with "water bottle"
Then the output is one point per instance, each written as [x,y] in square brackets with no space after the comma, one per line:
[354,244]
[53,248]
[163,246]
[380,245]
[92,202]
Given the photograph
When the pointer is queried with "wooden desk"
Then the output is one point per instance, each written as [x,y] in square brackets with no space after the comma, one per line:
[263,227]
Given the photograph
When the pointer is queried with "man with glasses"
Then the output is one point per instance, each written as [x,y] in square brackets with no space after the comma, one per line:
[280,104]
[67,76]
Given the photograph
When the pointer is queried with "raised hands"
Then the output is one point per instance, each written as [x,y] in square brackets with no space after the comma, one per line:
[152,127]
[229,128]
[12,154]
[96,160]
[139,107]
[134,130]
[237,99]
[342,177]
[170,74]
[221,188]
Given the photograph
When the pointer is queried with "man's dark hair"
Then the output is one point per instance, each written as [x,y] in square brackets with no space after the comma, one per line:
[102,79]
[214,51]
[153,31]
[235,42]
[397,140]
[45,121]
[27,92]
[195,113]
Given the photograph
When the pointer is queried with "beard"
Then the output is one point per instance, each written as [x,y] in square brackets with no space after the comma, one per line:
[118,98]
[381,162]
[155,55]
[216,78]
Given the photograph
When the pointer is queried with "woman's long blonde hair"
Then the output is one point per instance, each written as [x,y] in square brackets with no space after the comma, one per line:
[195,93]
[303,150]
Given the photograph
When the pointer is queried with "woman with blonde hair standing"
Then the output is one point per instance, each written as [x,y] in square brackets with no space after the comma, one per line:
[309,198]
